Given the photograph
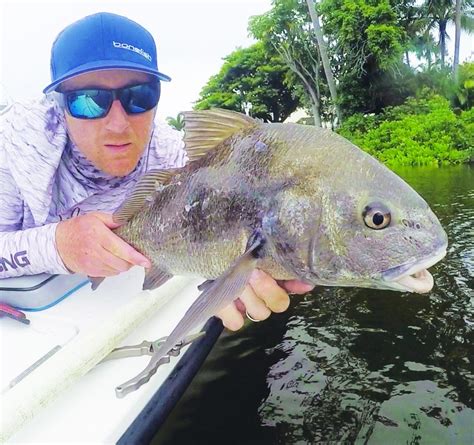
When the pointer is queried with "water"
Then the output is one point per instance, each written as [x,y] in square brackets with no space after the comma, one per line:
[351,365]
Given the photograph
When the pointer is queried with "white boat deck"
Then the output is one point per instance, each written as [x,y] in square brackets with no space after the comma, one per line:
[87,410]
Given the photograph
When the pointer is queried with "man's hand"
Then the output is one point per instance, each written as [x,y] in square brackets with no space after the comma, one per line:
[262,296]
[87,245]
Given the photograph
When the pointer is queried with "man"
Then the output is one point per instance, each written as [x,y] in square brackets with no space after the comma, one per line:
[67,163]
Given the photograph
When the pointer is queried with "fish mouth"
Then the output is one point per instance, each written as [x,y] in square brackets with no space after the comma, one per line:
[413,276]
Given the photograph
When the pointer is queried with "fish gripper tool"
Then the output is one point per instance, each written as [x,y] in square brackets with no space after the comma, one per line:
[147,348]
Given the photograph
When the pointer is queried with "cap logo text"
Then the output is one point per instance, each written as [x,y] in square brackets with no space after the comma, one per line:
[132,48]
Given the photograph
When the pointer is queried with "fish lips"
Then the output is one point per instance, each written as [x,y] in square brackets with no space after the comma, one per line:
[413,276]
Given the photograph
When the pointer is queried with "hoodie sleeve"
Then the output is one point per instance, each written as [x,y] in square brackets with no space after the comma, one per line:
[23,251]
[30,252]
[167,147]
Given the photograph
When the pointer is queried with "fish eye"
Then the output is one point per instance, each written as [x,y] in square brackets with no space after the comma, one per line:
[376,216]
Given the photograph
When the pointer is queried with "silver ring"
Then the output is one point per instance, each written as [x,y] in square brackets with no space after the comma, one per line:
[250,318]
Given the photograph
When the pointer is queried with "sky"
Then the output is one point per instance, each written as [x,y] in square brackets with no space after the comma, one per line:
[192,36]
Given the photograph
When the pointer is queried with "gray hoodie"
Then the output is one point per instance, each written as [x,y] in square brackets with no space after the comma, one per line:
[44,179]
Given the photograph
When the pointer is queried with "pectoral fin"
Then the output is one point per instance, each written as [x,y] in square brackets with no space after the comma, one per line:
[203,286]
[219,293]
[155,277]
[95,282]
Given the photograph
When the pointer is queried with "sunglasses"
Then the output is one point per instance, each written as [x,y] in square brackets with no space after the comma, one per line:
[95,103]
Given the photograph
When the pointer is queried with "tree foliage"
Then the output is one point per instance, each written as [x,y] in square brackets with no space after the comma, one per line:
[440,13]
[176,122]
[286,29]
[367,46]
[254,80]
[423,131]
[464,92]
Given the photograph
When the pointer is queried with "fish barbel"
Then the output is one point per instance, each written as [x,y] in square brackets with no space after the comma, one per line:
[298,202]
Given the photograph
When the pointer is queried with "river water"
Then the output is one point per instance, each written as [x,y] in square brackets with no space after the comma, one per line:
[351,365]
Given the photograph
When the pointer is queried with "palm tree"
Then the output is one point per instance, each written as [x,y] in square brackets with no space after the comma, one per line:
[441,12]
[463,19]
[426,48]
[411,20]
[177,122]
[457,37]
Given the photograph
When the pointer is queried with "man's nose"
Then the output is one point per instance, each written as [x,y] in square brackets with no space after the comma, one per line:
[117,118]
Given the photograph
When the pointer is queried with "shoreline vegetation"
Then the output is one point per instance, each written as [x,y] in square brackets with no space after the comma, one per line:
[424,131]
[377,72]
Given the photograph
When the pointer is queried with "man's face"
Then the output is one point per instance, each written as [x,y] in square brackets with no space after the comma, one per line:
[114,143]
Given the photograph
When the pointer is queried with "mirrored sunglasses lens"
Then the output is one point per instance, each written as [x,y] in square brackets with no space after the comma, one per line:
[140,98]
[89,104]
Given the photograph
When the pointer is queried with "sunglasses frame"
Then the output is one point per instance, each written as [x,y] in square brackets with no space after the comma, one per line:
[62,98]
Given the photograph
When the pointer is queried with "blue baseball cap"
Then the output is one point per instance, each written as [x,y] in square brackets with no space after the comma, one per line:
[99,42]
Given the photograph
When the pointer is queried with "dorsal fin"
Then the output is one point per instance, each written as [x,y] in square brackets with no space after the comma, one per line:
[146,187]
[204,130]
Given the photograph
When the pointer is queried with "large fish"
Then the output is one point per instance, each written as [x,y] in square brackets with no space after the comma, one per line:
[298,202]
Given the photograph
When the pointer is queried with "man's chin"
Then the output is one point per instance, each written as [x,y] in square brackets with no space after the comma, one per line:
[119,170]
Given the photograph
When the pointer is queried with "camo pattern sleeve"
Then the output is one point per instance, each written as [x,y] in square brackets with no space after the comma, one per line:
[167,148]
[11,204]
[29,251]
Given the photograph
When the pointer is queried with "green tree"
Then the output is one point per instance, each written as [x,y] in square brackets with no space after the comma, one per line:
[437,79]
[367,45]
[286,29]
[464,92]
[422,131]
[410,18]
[176,122]
[442,12]
[251,80]
[426,48]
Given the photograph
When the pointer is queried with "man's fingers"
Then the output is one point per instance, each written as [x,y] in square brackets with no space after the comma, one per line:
[265,287]
[117,246]
[86,244]
[262,296]
[254,305]
[121,249]
[106,218]
[103,264]
[99,269]
[114,262]
[231,317]
[296,287]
